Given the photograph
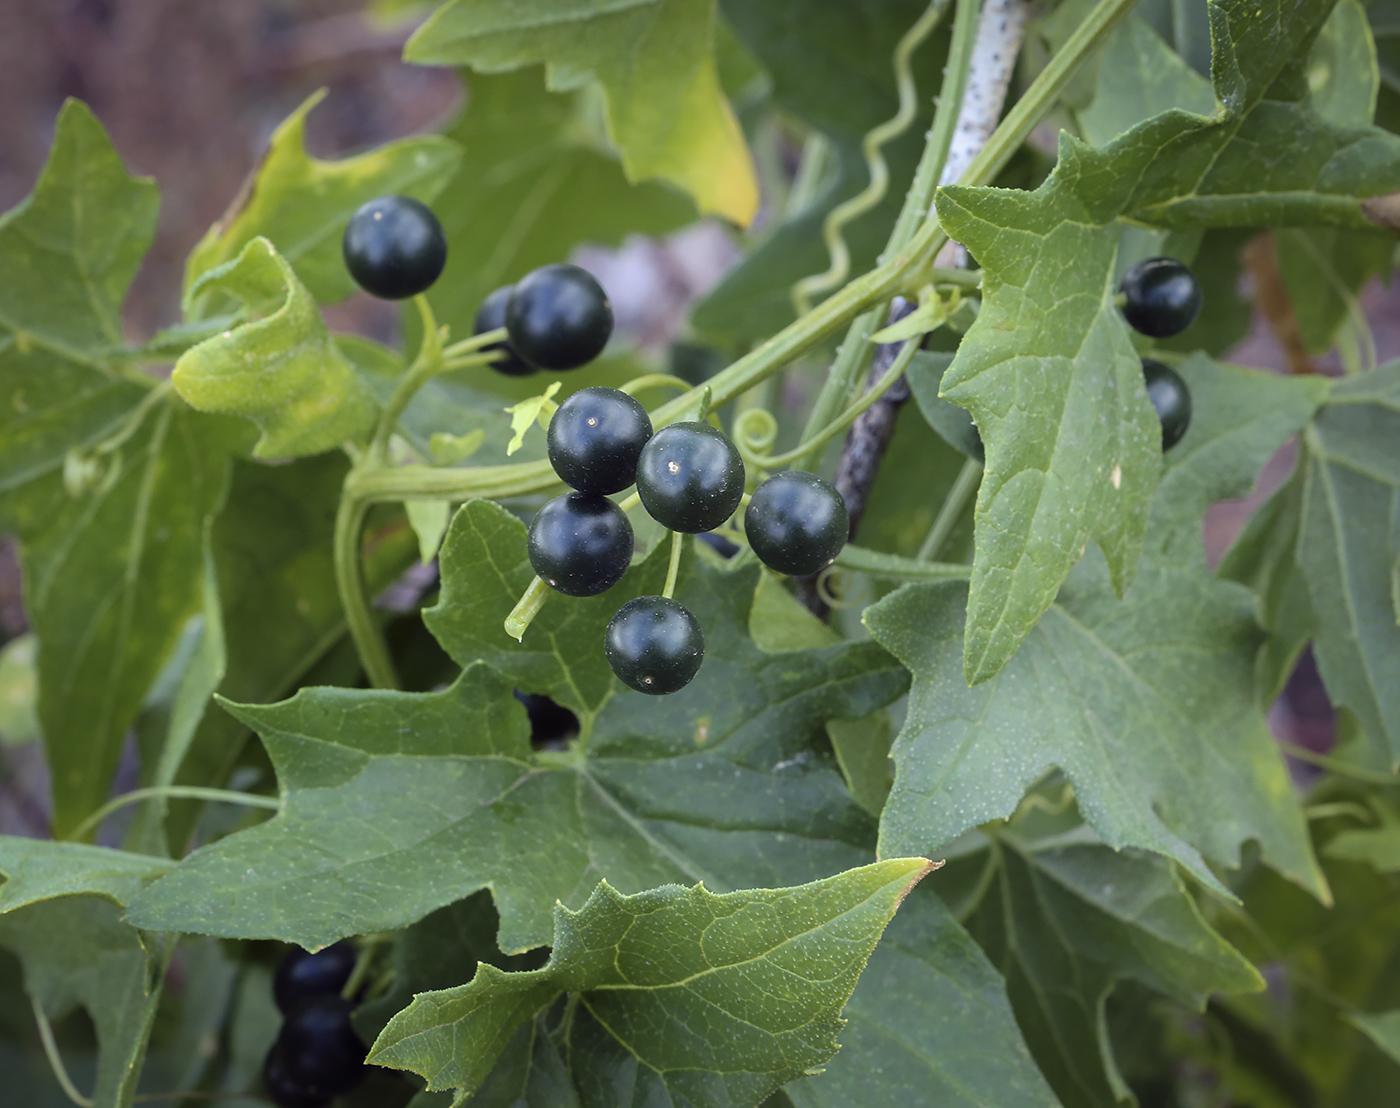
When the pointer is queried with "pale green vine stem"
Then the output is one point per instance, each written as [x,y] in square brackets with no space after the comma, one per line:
[964,486]
[172,792]
[60,1072]
[424,368]
[475,342]
[1337,766]
[655,381]
[874,191]
[630,502]
[894,567]
[527,608]
[845,419]
[369,947]
[673,570]
[350,581]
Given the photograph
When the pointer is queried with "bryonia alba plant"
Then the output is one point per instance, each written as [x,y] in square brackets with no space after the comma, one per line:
[694,882]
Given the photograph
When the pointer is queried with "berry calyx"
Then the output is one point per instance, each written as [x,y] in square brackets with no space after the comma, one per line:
[690,477]
[1170,397]
[319,1049]
[797,523]
[559,317]
[490,317]
[1163,297]
[596,438]
[654,645]
[580,543]
[301,976]
[394,247]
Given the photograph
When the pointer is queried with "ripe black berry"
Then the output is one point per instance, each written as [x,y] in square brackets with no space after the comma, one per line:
[492,315]
[690,477]
[654,645]
[394,247]
[318,1048]
[559,317]
[301,976]
[719,542]
[595,439]
[796,523]
[1163,297]
[580,543]
[1171,398]
[284,1090]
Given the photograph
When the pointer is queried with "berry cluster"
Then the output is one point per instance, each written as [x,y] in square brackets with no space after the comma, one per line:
[690,479]
[317,1055]
[557,317]
[1161,298]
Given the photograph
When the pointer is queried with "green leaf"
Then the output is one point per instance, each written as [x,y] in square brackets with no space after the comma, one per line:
[302,204]
[537,409]
[68,252]
[655,62]
[534,184]
[1147,703]
[1382,1028]
[1323,269]
[112,572]
[281,370]
[929,1024]
[655,972]
[1140,76]
[1048,370]
[1342,72]
[38,869]
[1347,549]
[60,912]
[1378,847]
[396,804]
[1064,923]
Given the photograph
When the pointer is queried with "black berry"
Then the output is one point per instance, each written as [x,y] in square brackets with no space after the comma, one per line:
[394,247]
[1171,398]
[796,523]
[284,1090]
[719,542]
[491,316]
[1163,297]
[559,317]
[654,645]
[318,1048]
[690,477]
[300,975]
[580,543]
[595,439]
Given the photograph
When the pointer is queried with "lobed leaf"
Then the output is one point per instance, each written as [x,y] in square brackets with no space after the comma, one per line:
[69,250]
[281,370]
[1147,703]
[396,804]
[655,62]
[718,998]
[1048,370]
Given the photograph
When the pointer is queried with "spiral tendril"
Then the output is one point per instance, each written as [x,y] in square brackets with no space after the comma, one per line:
[834,225]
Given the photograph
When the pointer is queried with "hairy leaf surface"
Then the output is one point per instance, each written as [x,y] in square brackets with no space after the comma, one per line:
[397,804]
[1146,703]
[719,998]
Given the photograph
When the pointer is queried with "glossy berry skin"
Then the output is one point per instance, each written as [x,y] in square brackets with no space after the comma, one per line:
[1171,398]
[654,645]
[596,438]
[394,247]
[492,315]
[690,477]
[1163,297]
[318,1048]
[580,544]
[796,523]
[300,975]
[559,317]
[284,1090]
